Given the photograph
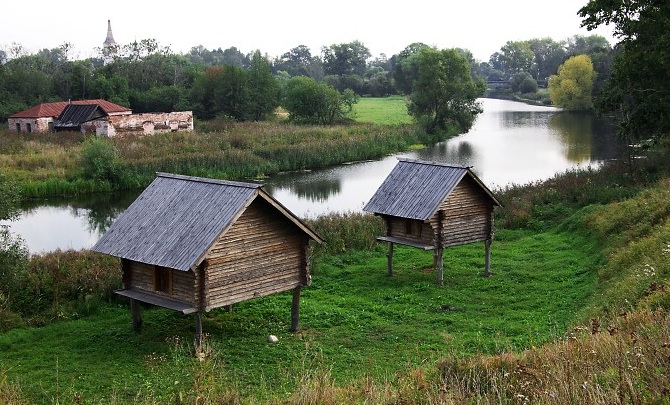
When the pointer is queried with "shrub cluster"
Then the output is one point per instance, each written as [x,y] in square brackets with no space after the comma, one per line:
[57,286]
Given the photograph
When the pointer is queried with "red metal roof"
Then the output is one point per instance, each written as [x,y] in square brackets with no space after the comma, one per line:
[54,109]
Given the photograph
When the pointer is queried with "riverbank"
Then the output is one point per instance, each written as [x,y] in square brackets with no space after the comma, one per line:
[71,163]
[571,255]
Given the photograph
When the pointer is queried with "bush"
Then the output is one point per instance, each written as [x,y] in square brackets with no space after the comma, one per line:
[100,161]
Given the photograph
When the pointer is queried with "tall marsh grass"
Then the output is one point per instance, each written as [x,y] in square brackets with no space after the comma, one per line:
[55,164]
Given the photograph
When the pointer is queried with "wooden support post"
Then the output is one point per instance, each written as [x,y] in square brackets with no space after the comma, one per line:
[438,261]
[389,259]
[487,244]
[440,265]
[295,309]
[136,311]
[198,331]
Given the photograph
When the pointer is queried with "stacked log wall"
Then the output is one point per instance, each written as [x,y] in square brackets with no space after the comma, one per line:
[261,254]
[183,283]
[397,227]
[468,215]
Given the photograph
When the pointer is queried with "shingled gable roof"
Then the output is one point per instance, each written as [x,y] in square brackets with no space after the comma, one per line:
[415,189]
[176,219]
[56,108]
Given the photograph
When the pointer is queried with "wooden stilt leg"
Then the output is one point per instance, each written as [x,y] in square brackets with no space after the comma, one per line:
[389,257]
[198,331]
[295,309]
[440,266]
[487,271]
[136,312]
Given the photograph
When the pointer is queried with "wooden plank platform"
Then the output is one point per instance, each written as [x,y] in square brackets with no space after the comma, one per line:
[153,299]
[405,242]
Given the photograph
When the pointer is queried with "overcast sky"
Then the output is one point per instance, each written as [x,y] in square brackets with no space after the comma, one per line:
[274,27]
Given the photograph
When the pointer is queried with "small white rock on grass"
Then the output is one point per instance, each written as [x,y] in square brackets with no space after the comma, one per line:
[273,339]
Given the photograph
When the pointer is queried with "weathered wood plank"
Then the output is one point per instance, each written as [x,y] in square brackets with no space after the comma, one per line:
[154,299]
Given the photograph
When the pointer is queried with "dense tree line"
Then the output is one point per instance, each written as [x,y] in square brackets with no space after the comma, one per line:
[146,76]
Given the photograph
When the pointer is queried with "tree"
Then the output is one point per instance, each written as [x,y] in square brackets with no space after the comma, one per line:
[514,57]
[523,83]
[638,90]
[444,94]
[345,59]
[310,102]
[407,68]
[299,62]
[572,87]
[549,55]
[263,89]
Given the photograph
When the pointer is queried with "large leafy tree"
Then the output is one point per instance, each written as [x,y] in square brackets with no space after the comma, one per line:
[299,62]
[345,59]
[638,91]
[572,87]
[263,89]
[407,67]
[549,55]
[444,93]
[514,57]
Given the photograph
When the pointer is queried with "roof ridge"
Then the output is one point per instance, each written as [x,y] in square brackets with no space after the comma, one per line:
[433,163]
[209,180]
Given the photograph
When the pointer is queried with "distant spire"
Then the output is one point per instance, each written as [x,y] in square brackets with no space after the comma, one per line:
[109,41]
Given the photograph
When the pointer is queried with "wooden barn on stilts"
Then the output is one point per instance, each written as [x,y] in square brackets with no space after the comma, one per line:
[192,244]
[432,206]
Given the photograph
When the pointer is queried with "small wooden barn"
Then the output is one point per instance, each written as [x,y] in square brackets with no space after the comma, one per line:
[193,244]
[432,206]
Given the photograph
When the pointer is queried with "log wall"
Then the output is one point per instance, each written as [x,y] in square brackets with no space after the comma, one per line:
[468,215]
[261,254]
[398,227]
[183,282]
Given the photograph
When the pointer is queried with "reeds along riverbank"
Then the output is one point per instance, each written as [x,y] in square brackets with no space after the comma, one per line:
[56,164]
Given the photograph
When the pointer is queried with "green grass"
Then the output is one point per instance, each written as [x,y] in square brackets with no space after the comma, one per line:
[356,322]
[386,110]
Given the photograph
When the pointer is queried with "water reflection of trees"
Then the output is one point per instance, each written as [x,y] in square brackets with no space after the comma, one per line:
[575,131]
[99,209]
[313,190]
[445,152]
[525,119]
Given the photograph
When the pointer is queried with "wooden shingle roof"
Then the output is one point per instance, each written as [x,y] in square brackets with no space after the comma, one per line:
[415,189]
[55,109]
[176,219]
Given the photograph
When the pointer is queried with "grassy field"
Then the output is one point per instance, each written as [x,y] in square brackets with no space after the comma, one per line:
[357,323]
[386,111]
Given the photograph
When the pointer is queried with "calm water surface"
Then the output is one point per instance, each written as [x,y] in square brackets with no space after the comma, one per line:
[510,143]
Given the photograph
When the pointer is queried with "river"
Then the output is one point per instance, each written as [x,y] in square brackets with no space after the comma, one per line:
[510,143]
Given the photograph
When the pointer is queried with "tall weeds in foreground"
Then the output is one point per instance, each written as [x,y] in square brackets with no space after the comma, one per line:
[9,393]
[627,361]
